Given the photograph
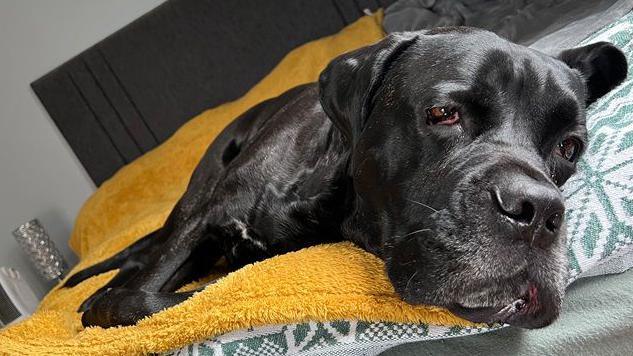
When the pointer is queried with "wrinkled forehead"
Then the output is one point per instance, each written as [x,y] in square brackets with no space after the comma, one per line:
[470,60]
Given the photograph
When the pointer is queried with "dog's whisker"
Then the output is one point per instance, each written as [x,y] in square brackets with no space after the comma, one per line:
[414,232]
[424,205]
[406,287]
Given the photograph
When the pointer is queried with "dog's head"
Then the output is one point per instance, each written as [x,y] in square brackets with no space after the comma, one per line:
[460,142]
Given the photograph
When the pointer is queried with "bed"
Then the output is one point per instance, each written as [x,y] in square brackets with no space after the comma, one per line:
[129,93]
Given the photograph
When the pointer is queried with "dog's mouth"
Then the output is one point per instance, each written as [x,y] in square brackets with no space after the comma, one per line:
[513,313]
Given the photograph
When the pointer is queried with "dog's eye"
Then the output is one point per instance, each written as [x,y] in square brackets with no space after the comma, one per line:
[441,115]
[569,149]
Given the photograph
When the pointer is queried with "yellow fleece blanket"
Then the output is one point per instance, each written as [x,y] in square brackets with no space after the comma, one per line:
[328,282]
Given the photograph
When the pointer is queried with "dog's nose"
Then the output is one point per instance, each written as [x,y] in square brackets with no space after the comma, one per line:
[534,207]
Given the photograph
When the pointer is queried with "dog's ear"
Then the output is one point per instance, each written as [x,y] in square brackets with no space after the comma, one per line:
[602,65]
[348,84]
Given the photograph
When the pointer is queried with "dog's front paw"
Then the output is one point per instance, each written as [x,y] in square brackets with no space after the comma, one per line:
[111,308]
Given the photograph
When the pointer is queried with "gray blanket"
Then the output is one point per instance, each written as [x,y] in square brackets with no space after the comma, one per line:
[520,21]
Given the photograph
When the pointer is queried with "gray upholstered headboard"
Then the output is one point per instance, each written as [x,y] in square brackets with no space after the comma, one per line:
[131,91]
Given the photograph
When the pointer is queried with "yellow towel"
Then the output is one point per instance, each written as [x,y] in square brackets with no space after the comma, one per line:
[328,282]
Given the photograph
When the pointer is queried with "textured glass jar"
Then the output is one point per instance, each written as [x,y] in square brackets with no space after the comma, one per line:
[46,258]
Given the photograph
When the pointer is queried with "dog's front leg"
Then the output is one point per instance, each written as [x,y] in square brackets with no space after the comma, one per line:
[141,296]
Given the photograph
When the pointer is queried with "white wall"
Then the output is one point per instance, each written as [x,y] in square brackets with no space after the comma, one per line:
[39,174]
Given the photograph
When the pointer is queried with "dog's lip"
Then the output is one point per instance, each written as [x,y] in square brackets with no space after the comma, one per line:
[526,304]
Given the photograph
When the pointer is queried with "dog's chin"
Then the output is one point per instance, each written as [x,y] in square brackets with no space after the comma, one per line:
[521,292]
[535,307]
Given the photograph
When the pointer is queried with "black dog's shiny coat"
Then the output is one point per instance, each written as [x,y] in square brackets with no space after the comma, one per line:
[466,216]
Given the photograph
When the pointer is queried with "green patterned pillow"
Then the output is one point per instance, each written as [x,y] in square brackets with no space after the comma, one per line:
[600,238]
[599,197]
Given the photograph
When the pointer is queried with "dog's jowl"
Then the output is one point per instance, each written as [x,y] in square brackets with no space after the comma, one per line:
[442,152]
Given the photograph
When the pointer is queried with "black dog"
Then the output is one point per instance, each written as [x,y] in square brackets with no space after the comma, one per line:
[442,152]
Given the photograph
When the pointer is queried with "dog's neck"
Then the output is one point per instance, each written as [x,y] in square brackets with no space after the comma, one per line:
[349,206]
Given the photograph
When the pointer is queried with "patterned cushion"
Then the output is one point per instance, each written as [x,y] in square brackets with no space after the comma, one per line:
[600,233]
[600,196]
